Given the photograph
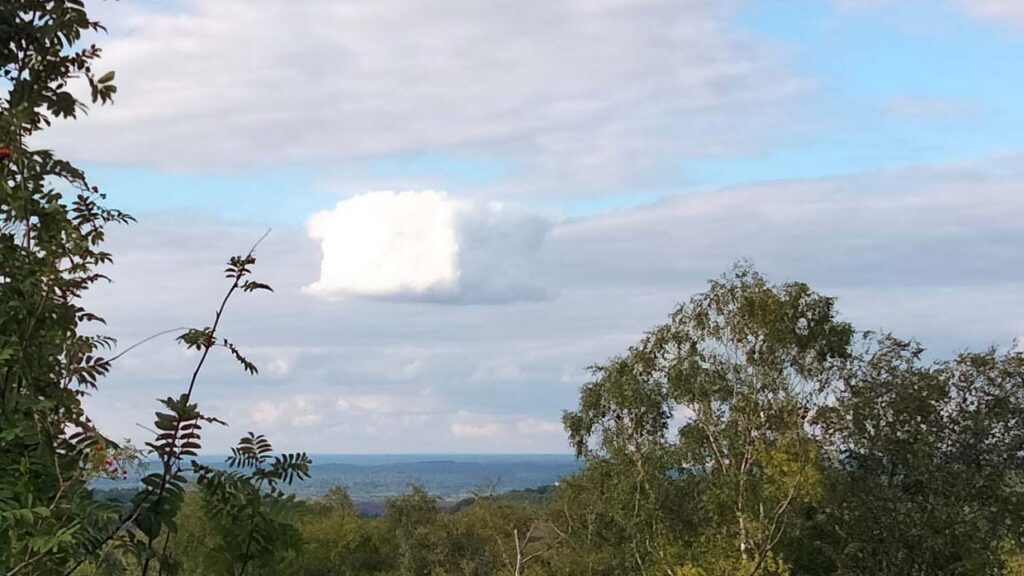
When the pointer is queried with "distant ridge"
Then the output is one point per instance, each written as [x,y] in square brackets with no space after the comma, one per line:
[373,478]
[447,478]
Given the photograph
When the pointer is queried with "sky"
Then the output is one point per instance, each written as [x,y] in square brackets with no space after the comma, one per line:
[471,202]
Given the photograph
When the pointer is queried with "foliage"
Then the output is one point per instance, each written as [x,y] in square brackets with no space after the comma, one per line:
[518,535]
[800,449]
[178,438]
[249,512]
[932,458]
[337,500]
[51,226]
[742,366]
[337,542]
[414,520]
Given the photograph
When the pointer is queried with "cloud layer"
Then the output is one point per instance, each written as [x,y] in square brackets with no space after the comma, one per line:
[932,253]
[578,91]
[553,105]
[428,246]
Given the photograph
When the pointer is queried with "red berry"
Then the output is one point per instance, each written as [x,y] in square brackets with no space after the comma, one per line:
[5,152]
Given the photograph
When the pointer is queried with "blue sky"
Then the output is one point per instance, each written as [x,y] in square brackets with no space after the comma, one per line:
[957,80]
[472,204]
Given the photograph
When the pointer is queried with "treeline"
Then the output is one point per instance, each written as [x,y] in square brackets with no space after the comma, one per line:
[327,536]
[757,433]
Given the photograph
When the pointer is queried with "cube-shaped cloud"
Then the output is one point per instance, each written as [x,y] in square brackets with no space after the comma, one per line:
[429,246]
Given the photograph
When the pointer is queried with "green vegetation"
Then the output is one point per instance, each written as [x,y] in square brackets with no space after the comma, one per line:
[755,433]
[51,227]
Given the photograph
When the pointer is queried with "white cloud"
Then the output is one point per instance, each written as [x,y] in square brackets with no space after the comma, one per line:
[485,430]
[1005,12]
[576,90]
[860,4]
[680,416]
[372,404]
[398,404]
[275,362]
[506,428]
[265,412]
[916,107]
[387,243]
[503,369]
[428,246]
[297,411]
[955,225]
[532,426]
[304,420]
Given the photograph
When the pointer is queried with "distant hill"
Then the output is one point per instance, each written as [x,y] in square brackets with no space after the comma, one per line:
[448,479]
[372,478]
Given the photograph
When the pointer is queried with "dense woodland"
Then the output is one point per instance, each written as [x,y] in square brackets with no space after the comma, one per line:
[753,433]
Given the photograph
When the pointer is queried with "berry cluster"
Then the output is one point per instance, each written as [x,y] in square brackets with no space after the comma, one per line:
[114,469]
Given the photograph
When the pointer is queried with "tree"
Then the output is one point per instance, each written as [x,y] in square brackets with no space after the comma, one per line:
[337,500]
[743,366]
[178,437]
[617,521]
[51,227]
[931,462]
[337,542]
[415,523]
[517,536]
